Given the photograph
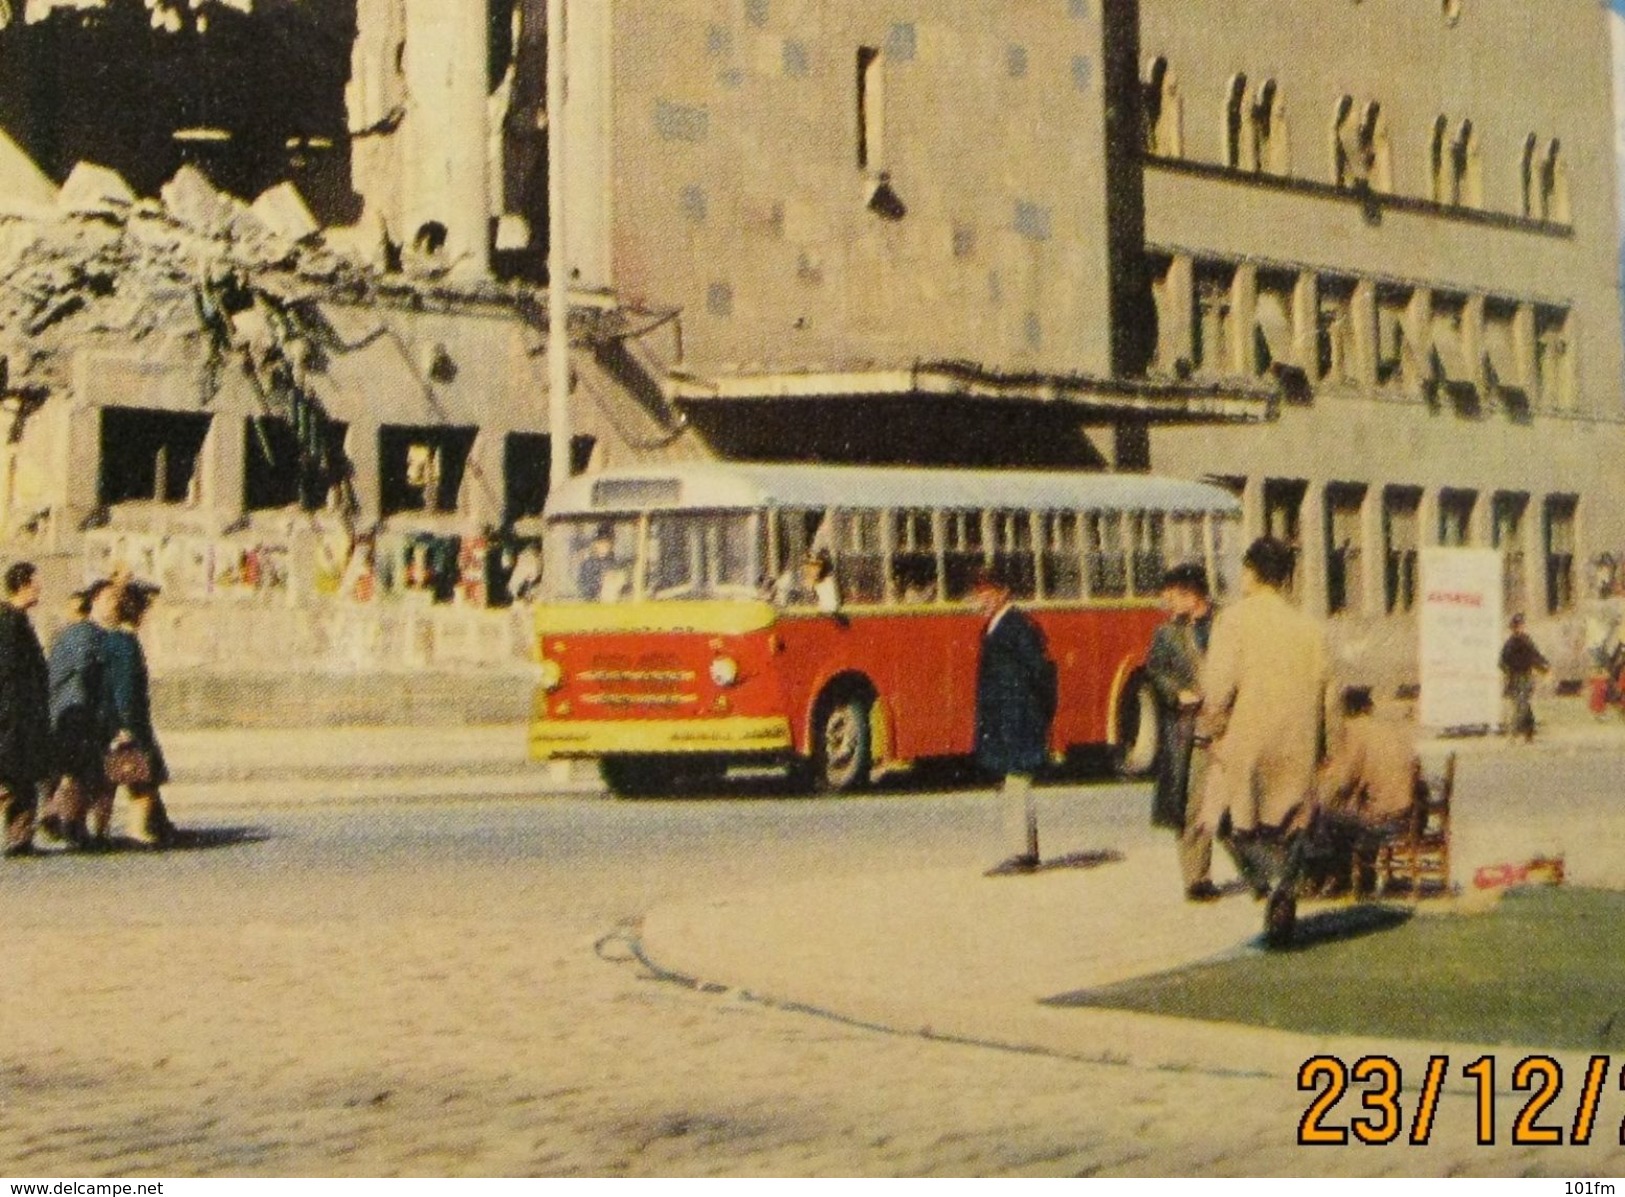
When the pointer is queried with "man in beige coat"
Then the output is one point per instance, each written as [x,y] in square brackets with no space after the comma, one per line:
[1264,691]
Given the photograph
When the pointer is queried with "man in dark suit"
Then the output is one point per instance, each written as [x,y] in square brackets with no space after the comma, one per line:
[1173,665]
[25,721]
[1015,705]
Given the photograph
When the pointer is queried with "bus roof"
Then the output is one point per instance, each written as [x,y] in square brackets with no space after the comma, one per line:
[746,486]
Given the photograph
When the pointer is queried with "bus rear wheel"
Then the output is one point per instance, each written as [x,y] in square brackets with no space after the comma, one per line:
[1135,753]
[842,754]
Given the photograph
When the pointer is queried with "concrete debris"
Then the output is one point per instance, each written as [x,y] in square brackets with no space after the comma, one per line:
[24,189]
[154,275]
[191,199]
[283,212]
[92,190]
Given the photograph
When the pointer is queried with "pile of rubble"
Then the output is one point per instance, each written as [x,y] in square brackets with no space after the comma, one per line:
[101,264]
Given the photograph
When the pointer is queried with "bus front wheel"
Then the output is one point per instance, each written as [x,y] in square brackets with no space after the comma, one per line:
[635,776]
[1135,752]
[842,756]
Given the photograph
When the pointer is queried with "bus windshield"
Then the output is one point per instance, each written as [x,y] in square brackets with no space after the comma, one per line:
[664,555]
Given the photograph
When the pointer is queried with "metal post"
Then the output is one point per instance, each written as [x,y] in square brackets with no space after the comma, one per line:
[558,295]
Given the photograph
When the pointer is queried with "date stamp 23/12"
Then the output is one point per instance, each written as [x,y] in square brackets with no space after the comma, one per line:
[1382,1115]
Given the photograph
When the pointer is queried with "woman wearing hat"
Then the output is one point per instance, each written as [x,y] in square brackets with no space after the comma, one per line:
[129,704]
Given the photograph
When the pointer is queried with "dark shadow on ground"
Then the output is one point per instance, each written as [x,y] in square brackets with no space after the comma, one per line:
[1072,860]
[934,776]
[1543,967]
[186,840]
[1342,923]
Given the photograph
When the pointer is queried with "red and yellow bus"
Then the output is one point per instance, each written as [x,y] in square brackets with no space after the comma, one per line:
[679,637]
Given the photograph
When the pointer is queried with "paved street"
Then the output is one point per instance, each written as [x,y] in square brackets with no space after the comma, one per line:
[444,987]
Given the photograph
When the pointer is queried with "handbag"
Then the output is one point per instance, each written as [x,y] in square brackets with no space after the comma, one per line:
[127,764]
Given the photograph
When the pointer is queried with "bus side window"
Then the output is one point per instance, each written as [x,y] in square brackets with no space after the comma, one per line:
[1063,569]
[1146,531]
[798,533]
[962,552]
[1013,551]
[859,563]
[914,558]
[1107,561]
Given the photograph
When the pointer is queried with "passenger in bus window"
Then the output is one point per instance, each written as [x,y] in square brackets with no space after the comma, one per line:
[600,577]
[812,585]
[916,581]
[1015,705]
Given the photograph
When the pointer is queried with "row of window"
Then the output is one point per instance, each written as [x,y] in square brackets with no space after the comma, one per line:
[153,456]
[1256,138]
[927,557]
[1220,318]
[1403,536]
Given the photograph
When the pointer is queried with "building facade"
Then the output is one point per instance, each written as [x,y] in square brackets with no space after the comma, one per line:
[1355,259]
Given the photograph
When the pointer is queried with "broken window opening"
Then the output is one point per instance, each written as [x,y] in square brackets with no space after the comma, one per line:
[1466,168]
[1397,360]
[1559,536]
[421,468]
[1554,361]
[1440,177]
[150,456]
[1275,336]
[1269,135]
[1401,515]
[1451,364]
[1345,145]
[1376,157]
[1237,149]
[1529,171]
[1214,327]
[527,471]
[1163,130]
[1554,186]
[1506,535]
[870,101]
[1283,520]
[1456,518]
[1502,361]
[1335,339]
[1345,538]
[287,466]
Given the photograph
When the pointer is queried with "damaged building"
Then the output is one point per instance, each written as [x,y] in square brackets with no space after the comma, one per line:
[275,334]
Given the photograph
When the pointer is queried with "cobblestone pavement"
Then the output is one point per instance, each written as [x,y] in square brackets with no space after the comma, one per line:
[448,989]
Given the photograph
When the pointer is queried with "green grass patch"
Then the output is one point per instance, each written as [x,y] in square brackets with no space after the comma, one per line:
[1543,968]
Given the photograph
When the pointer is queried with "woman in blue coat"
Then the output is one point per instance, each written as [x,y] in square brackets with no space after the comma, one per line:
[129,704]
[80,730]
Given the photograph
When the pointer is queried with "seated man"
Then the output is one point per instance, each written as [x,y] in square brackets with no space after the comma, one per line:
[814,585]
[600,577]
[1366,790]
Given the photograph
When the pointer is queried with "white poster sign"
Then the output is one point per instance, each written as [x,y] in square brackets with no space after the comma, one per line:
[1460,630]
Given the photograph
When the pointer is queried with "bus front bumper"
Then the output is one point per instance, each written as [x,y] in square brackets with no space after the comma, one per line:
[561,739]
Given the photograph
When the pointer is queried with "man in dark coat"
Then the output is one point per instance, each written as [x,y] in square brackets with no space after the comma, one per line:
[1174,667]
[1015,705]
[1520,661]
[25,727]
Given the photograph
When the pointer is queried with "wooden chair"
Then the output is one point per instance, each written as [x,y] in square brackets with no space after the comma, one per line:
[1420,854]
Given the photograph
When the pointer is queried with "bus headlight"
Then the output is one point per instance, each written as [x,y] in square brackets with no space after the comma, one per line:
[724,671]
[552,674]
